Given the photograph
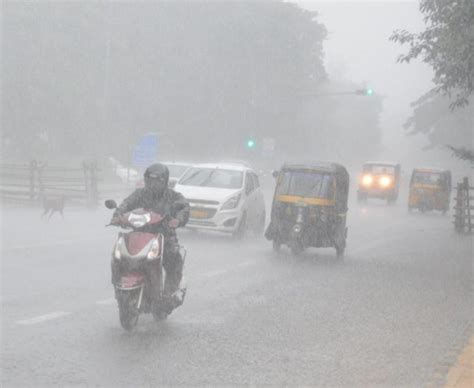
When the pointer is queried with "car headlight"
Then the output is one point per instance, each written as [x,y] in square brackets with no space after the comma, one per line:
[154,250]
[118,246]
[385,181]
[367,180]
[232,202]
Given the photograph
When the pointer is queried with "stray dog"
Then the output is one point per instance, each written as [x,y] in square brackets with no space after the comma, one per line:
[52,205]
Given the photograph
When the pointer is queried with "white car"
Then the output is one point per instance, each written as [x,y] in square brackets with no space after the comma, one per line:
[225,197]
[177,170]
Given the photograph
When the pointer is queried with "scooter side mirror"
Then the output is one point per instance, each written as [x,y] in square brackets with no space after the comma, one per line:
[275,174]
[110,204]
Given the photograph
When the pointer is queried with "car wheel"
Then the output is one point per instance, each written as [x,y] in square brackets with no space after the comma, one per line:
[260,225]
[276,245]
[340,253]
[242,228]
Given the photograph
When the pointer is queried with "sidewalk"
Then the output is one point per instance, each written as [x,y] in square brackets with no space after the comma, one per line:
[461,375]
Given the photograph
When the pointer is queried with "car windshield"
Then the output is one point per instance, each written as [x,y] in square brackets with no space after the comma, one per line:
[176,170]
[306,184]
[379,169]
[427,178]
[212,177]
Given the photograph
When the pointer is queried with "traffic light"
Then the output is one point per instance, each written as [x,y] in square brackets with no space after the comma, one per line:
[251,143]
[365,92]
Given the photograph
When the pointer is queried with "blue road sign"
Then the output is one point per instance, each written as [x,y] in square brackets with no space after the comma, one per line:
[146,150]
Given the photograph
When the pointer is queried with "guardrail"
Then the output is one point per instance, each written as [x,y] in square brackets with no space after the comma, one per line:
[463,214]
[30,183]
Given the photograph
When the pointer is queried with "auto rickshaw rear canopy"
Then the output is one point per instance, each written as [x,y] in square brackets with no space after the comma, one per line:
[337,170]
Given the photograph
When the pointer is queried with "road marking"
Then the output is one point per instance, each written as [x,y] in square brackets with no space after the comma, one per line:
[53,243]
[42,318]
[218,272]
[106,301]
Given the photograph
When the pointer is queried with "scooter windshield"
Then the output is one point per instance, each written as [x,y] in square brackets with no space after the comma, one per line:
[139,219]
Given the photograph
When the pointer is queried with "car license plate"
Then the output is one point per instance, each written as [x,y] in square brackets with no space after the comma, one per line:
[199,214]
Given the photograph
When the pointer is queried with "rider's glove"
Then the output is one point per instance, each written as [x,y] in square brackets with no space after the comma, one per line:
[173,223]
[115,220]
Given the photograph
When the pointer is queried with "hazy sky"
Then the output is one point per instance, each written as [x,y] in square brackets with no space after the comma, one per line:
[358,49]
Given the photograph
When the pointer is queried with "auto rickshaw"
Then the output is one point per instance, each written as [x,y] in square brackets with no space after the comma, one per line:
[430,189]
[309,207]
[379,180]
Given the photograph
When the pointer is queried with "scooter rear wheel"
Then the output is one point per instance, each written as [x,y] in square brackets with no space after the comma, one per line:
[296,248]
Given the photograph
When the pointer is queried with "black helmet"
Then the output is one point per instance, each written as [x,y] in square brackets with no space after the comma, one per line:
[156,178]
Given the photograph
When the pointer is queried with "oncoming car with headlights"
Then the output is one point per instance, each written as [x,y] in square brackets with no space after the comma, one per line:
[224,197]
[379,180]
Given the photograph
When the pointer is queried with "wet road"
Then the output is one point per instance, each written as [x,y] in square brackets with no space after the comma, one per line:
[393,313]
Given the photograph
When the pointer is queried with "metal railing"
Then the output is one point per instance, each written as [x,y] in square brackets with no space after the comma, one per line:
[463,210]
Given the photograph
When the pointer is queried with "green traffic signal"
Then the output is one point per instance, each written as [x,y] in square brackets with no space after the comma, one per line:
[250,143]
[365,92]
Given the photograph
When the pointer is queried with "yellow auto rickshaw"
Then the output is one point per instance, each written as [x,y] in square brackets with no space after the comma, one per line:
[430,189]
[310,207]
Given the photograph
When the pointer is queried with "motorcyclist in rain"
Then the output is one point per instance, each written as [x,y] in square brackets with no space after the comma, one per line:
[156,196]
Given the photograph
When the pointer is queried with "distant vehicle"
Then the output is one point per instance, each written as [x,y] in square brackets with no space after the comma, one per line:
[310,207]
[379,180]
[224,197]
[176,169]
[430,189]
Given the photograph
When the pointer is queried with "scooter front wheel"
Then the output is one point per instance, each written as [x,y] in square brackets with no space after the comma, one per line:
[128,312]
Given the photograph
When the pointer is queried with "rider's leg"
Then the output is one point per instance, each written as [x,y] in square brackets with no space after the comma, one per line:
[173,264]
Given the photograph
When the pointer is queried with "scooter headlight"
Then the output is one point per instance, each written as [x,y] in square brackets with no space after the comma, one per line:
[118,247]
[154,250]
[297,228]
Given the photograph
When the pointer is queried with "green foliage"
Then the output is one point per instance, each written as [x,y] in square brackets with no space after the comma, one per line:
[462,153]
[442,126]
[447,45]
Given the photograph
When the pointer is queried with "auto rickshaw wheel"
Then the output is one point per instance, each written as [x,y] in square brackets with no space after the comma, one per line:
[260,225]
[296,249]
[276,245]
[340,252]
[391,200]
[362,198]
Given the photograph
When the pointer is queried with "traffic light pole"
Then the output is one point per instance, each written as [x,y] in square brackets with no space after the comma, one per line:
[357,92]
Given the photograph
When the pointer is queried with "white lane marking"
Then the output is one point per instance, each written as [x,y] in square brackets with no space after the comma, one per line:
[42,318]
[218,272]
[53,243]
[106,301]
